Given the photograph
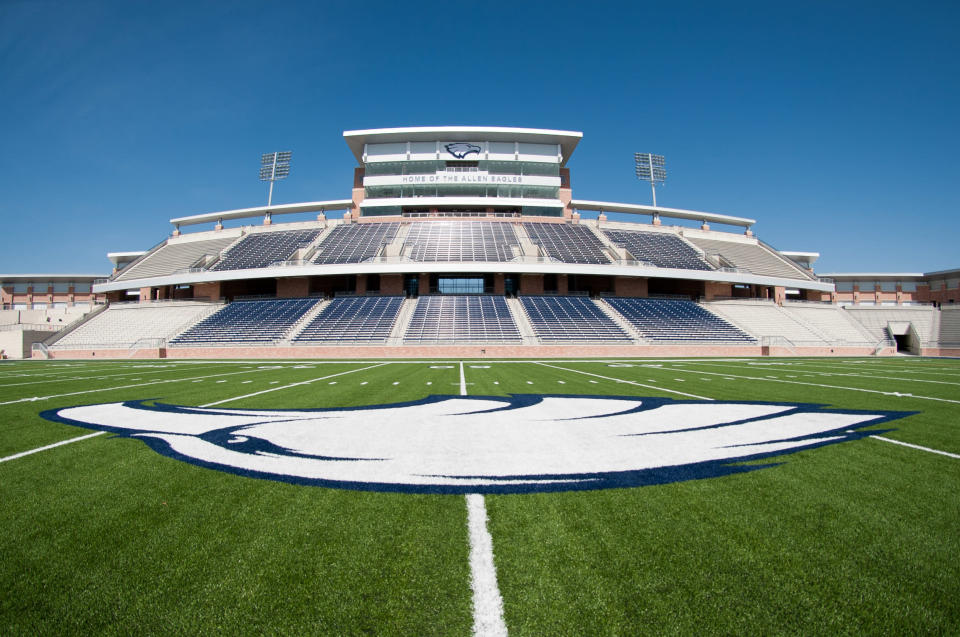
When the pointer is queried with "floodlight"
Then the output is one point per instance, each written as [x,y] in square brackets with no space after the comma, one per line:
[651,168]
[274,166]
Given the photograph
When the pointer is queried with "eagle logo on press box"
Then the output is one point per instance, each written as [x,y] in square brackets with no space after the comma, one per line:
[484,444]
[462,149]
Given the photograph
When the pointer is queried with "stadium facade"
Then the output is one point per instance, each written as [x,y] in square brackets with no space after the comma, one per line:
[468,241]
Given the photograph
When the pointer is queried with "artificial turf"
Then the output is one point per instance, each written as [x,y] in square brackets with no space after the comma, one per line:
[105,536]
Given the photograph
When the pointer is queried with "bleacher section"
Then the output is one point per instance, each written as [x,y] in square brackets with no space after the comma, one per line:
[876,319]
[570,318]
[244,322]
[460,241]
[566,242]
[949,326]
[462,319]
[122,326]
[363,319]
[676,320]
[175,255]
[659,248]
[260,249]
[356,242]
[751,257]
[831,322]
[765,319]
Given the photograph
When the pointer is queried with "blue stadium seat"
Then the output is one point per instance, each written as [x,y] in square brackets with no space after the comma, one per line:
[355,242]
[357,319]
[242,322]
[462,318]
[570,318]
[566,242]
[676,320]
[661,249]
[260,249]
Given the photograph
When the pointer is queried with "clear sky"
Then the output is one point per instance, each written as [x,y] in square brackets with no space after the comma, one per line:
[834,124]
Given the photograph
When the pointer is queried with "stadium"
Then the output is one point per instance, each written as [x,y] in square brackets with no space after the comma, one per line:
[469,242]
[461,401]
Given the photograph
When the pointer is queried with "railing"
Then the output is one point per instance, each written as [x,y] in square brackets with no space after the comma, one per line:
[35,327]
[292,263]
[40,347]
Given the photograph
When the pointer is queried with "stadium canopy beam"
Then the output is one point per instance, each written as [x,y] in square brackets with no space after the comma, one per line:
[264,211]
[659,211]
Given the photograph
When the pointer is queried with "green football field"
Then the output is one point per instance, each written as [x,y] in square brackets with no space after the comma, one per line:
[140,524]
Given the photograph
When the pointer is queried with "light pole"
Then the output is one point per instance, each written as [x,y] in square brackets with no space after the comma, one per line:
[651,168]
[274,166]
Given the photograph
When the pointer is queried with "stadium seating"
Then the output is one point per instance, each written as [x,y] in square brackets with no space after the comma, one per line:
[766,319]
[462,319]
[175,255]
[751,257]
[123,325]
[949,326]
[659,248]
[567,243]
[363,319]
[570,318]
[460,241]
[676,320]
[260,249]
[356,242]
[263,321]
[830,321]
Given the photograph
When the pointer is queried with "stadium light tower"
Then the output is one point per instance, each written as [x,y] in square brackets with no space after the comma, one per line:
[651,168]
[274,166]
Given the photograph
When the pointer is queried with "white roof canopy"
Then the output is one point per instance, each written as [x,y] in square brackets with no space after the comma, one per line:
[567,140]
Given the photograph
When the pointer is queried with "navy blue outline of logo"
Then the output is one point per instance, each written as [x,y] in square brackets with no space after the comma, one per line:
[590,482]
[462,149]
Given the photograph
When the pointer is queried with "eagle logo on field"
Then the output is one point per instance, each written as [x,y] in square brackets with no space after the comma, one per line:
[462,149]
[484,444]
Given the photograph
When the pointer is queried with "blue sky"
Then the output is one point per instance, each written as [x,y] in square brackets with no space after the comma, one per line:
[834,124]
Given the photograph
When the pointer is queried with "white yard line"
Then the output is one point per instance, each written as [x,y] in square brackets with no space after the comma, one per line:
[83,378]
[628,382]
[152,382]
[56,444]
[487,601]
[800,382]
[66,442]
[305,382]
[907,444]
[849,373]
